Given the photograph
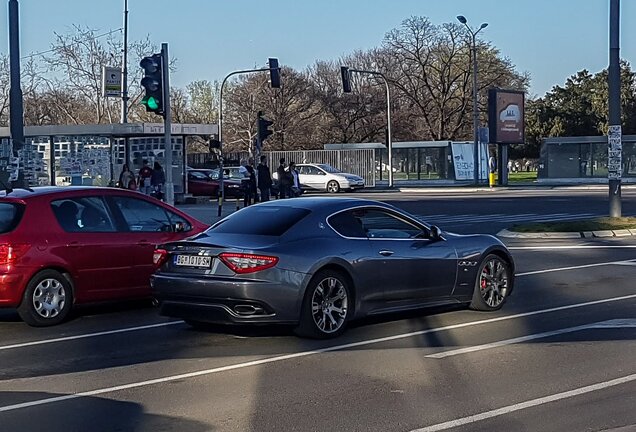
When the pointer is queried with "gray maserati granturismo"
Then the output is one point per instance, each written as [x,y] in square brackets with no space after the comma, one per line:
[317,263]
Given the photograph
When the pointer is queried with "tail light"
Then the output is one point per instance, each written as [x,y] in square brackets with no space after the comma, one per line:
[247,263]
[11,252]
[159,257]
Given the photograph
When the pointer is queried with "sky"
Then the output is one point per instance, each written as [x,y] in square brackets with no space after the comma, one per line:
[550,39]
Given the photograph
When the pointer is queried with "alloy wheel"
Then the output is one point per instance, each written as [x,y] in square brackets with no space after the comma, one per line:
[493,282]
[49,298]
[329,305]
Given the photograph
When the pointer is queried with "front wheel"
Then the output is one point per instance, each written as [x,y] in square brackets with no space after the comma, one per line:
[326,307]
[47,299]
[492,285]
[333,187]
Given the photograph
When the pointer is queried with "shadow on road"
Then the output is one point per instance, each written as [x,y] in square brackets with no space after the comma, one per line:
[86,414]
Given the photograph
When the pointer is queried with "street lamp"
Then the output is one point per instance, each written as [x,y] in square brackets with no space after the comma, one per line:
[473,48]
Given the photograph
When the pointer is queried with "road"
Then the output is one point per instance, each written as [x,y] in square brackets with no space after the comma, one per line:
[558,356]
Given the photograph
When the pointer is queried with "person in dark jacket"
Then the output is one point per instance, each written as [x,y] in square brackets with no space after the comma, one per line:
[264,179]
[157,181]
[283,179]
[249,184]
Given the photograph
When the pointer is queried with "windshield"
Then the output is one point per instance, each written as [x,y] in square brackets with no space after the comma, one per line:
[260,220]
[329,168]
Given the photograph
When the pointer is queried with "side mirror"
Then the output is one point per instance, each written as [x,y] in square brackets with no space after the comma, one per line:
[435,233]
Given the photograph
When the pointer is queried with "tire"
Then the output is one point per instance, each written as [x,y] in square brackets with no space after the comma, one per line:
[326,307]
[47,300]
[333,186]
[492,284]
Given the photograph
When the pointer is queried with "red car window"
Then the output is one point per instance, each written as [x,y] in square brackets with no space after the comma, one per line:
[83,214]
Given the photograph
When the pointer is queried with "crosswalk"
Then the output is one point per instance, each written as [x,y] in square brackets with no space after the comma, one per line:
[458,219]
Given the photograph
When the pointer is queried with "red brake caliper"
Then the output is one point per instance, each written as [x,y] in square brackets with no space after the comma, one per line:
[483,282]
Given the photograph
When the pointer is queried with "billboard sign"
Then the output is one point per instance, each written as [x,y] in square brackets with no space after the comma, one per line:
[111,81]
[506,116]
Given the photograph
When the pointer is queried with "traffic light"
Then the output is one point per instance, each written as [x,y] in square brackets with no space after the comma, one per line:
[346,79]
[263,128]
[274,72]
[152,82]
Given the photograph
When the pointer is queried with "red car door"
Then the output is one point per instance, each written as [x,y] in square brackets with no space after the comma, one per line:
[147,224]
[89,243]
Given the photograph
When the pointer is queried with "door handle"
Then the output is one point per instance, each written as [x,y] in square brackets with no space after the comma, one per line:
[386,252]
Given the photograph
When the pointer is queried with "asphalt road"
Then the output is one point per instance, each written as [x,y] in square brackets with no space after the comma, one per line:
[558,357]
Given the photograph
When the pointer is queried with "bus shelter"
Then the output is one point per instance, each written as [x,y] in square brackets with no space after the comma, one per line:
[95,154]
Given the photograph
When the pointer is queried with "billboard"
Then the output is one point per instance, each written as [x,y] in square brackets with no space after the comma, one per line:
[506,116]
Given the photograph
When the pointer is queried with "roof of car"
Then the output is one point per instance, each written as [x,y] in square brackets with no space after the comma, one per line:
[45,190]
[323,203]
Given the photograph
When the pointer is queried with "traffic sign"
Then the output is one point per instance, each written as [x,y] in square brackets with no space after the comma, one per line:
[111,81]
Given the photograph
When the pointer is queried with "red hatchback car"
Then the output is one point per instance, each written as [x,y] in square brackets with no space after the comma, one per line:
[61,246]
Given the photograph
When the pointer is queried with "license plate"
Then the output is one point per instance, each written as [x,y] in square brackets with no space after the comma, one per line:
[192,261]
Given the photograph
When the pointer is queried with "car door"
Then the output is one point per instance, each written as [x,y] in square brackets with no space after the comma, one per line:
[146,225]
[411,267]
[312,177]
[90,243]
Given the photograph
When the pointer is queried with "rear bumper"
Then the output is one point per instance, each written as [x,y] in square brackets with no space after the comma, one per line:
[12,288]
[227,300]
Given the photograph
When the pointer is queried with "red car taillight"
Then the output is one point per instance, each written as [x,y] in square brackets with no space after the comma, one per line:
[11,252]
[159,257]
[247,263]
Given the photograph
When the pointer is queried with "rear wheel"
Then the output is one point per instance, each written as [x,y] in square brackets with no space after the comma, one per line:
[333,186]
[47,299]
[492,284]
[326,307]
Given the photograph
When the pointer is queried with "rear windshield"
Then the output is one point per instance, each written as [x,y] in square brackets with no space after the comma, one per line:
[10,215]
[260,220]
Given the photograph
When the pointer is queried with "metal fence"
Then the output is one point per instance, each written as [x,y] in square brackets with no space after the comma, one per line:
[359,162]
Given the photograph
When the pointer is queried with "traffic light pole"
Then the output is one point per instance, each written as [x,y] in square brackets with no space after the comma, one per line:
[388,119]
[221,187]
[167,124]
[614,139]
[16,114]
[124,69]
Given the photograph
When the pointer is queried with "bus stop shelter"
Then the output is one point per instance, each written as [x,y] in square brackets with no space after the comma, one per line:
[95,154]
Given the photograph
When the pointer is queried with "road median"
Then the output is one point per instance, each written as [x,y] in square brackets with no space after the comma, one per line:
[601,227]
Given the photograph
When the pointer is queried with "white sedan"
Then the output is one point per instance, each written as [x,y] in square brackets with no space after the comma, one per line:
[326,178]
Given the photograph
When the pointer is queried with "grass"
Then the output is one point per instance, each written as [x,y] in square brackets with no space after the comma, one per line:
[522,176]
[595,224]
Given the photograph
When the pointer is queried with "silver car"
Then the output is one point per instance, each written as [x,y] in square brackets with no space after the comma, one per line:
[317,263]
[324,177]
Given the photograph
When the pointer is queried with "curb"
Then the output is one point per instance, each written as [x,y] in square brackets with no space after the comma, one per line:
[566,235]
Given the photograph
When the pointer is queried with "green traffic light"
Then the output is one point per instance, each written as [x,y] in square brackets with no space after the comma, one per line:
[152,103]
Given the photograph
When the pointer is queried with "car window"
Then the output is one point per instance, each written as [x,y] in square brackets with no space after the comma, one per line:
[260,220]
[345,224]
[143,216]
[382,224]
[329,168]
[10,215]
[83,214]
[198,175]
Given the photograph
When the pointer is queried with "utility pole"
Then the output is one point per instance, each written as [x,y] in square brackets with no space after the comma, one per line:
[167,123]
[614,136]
[124,69]
[16,118]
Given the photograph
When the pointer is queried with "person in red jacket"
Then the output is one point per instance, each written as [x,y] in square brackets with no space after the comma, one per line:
[145,178]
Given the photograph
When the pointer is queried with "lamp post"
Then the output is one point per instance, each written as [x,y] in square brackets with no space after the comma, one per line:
[473,48]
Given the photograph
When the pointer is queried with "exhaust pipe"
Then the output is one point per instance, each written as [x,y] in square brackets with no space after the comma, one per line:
[247,309]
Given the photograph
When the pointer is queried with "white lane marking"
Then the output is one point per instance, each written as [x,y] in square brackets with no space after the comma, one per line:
[527,404]
[300,354]
[89,335]
[610,324]
[566,247]
[557,269]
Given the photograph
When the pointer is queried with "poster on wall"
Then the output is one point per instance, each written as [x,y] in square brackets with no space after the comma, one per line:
[464,162]
[506,116]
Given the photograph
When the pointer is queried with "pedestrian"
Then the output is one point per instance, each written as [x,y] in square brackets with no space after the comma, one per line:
[294,181]
[127,178]
[283,179]
[145,177]
[509,166]
[264,179]
[248,181]
[157,181]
